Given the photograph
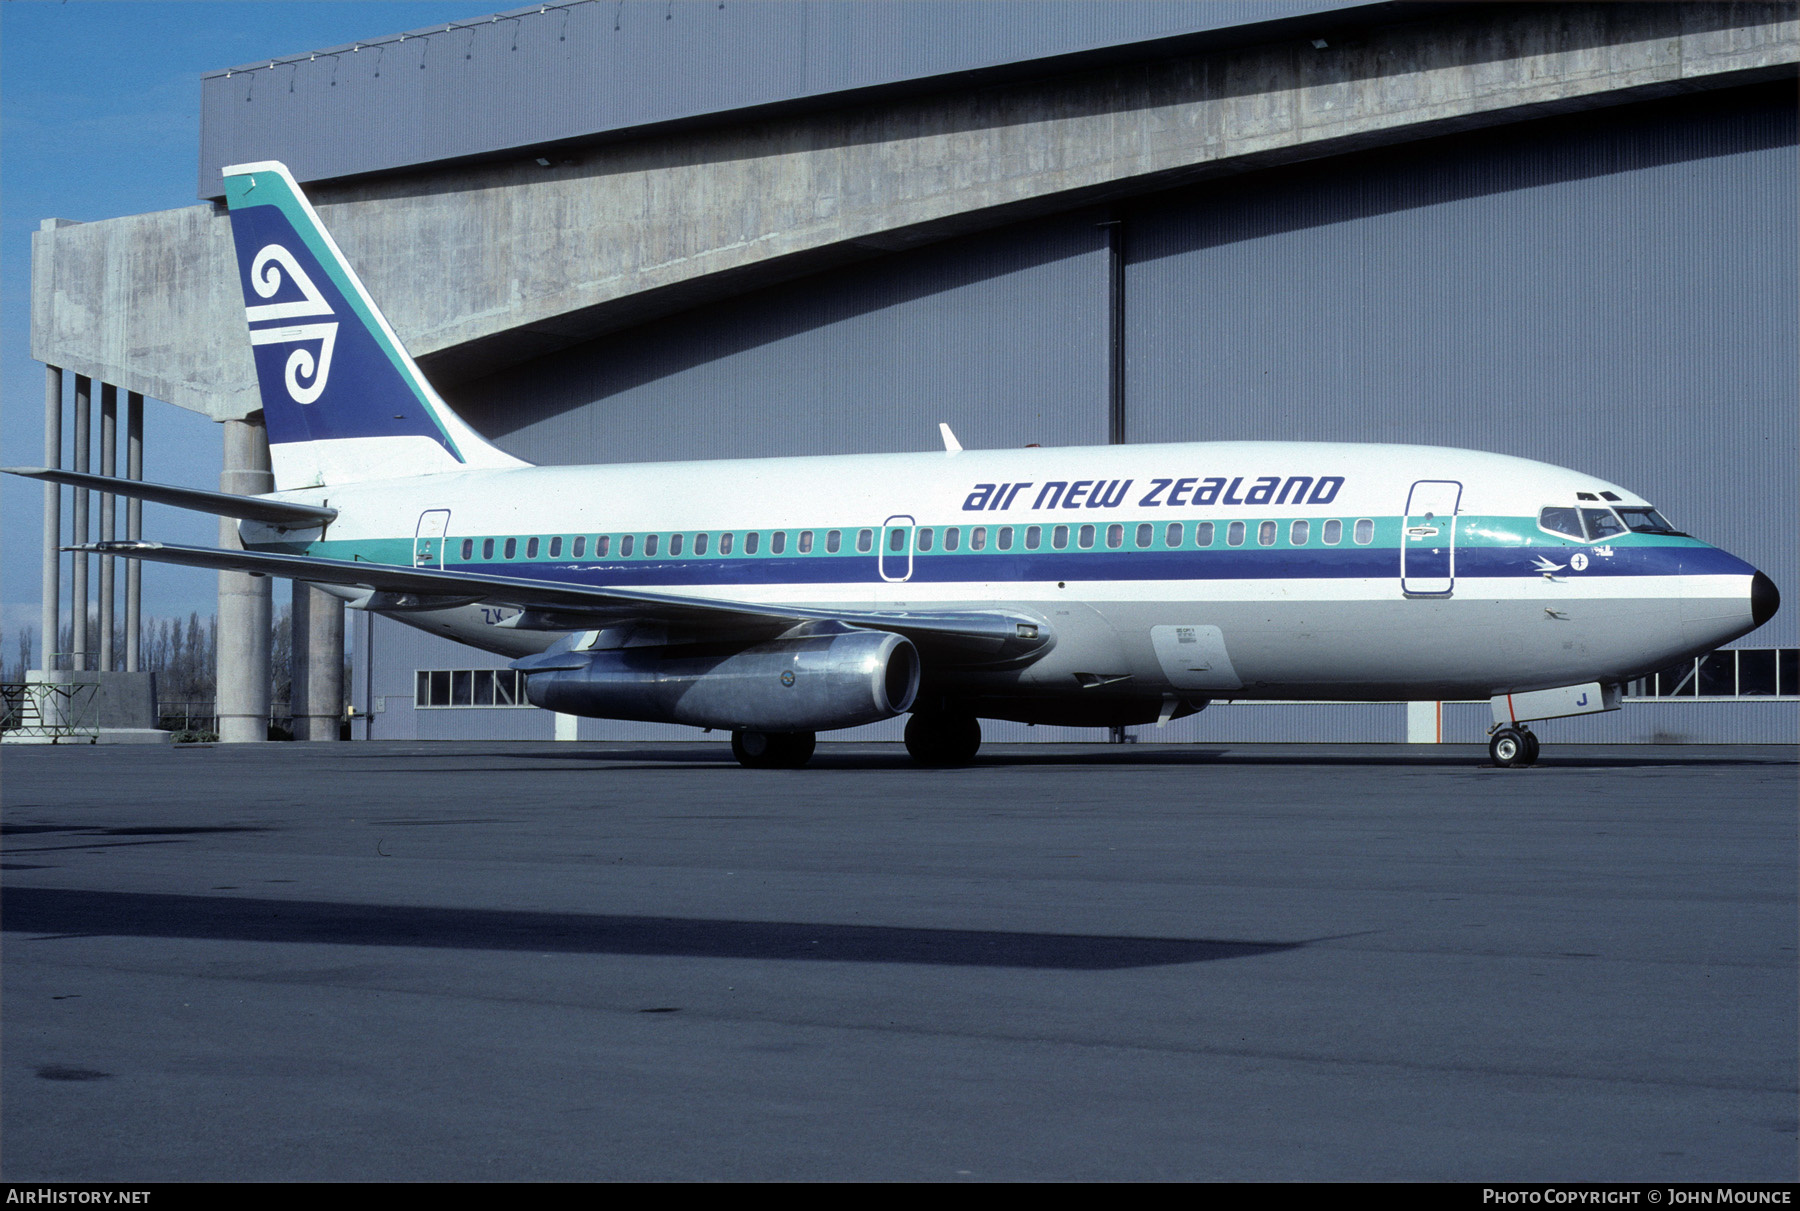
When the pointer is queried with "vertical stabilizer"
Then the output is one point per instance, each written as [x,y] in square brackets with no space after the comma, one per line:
[342,399]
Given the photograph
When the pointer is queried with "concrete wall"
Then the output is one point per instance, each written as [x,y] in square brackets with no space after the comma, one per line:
[534,76]
[525,260]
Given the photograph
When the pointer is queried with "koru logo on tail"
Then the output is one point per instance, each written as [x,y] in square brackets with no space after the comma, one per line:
[266,280]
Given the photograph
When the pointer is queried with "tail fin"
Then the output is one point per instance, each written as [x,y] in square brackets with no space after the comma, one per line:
[342,399]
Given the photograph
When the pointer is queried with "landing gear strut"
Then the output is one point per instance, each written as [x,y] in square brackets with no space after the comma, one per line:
[935,739]
[773,750]
[1513,746]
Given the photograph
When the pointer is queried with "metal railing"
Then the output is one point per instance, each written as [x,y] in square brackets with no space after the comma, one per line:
[50,712]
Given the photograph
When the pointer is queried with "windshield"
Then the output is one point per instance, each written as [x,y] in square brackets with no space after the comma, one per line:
[1646,520]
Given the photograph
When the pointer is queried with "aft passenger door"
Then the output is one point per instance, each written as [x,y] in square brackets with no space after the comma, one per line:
[1428,539]
[428,541]
[894,555]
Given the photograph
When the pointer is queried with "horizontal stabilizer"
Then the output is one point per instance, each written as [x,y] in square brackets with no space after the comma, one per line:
[984,637]
[225,504]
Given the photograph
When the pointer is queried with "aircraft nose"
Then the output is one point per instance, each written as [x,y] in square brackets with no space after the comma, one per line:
[1765,599]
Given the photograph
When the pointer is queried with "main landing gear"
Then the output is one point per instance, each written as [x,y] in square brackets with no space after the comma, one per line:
[942,739]
[773,750]
[1513,745]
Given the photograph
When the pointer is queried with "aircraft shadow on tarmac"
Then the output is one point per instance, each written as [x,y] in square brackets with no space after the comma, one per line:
[1469,756]
[55,913]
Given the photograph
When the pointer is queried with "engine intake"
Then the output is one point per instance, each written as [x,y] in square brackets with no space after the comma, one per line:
[799,684]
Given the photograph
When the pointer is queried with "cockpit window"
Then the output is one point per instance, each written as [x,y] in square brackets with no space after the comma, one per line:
[1646,521]
[1601,523]
[1562,521]
[1589,524]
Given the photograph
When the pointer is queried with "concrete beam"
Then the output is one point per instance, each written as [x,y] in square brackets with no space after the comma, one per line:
[481,266]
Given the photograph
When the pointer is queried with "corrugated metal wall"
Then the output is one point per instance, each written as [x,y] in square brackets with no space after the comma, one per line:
[1614,293]
[1003,335]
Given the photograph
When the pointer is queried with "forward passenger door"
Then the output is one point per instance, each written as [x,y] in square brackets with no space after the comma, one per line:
[1428,539]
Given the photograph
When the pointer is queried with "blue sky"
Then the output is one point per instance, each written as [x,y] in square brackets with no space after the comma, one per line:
[100,117]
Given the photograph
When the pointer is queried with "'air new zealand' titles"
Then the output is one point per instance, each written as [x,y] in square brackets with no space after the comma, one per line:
[780,598]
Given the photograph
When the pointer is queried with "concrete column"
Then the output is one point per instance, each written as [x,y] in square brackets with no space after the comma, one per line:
[78,591]
[134,530]
[1424,723]
[109,516]
[318,674]
[50,619]
[244,600]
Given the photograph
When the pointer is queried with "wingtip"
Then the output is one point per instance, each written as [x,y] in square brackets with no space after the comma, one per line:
[951,445]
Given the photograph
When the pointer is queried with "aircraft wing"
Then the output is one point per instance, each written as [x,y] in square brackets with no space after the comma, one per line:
[957,636]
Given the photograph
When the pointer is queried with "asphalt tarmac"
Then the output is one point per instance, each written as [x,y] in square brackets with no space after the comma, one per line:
[590,961]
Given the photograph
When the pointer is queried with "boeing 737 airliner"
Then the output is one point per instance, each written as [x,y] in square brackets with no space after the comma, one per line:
[778,598]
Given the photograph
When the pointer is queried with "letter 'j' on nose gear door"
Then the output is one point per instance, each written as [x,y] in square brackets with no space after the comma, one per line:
[1428,539]
[428,542]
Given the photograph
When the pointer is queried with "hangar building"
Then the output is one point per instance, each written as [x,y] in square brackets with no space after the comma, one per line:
[641,231]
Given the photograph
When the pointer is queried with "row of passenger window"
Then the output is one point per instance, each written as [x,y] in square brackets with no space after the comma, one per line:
[1174,536]
[650,545]
[927,538]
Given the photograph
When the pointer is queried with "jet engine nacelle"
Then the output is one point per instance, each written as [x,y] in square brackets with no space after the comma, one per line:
[801,684]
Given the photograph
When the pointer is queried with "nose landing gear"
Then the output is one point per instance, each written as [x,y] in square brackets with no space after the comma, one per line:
[1512,746]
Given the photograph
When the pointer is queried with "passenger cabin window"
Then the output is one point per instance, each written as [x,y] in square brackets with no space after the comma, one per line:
[1059,537]
[1172,536]
[1203,534]
[1085,537]
[487,548]
[978,538]
[626,543]
[806,541]
[924,538]
[952,538]
[1365,531]
[1234,534]
[700,543]
[865,541]
[1115,536]
[833,540]
[1299,532]
[726,541]
[751,541]
[1265,534]
[897,539]
[512,547]
[1033,536]
[602,546]
[1146,534]
[1333,533]
[675,544]
[556,548]
[778,542]
[468,549]
[531,548]
[1004,538]
[580,546]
